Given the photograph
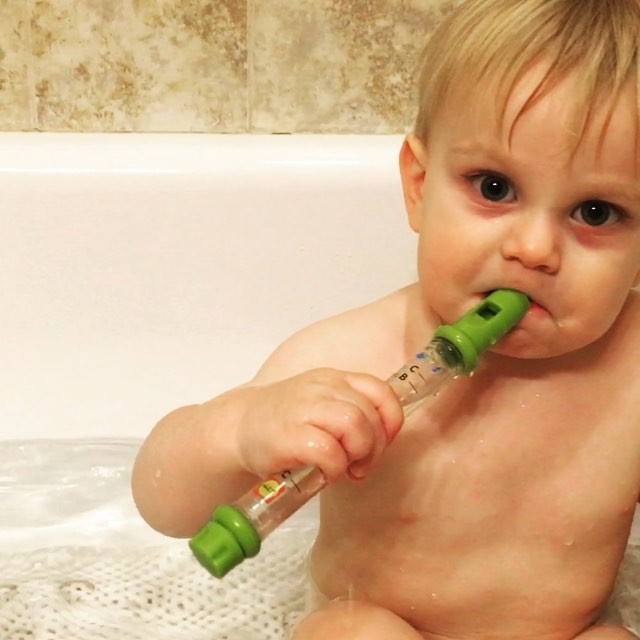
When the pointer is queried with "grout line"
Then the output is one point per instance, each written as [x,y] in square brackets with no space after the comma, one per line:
[31,104]
[249,41]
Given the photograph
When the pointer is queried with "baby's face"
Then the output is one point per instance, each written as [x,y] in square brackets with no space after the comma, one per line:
[523,207]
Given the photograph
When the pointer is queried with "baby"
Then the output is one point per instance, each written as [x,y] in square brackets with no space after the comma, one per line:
[502,507]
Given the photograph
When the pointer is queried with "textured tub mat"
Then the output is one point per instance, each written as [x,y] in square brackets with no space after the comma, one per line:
[81,593]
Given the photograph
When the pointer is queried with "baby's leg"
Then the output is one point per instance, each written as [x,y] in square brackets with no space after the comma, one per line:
[354,620]
[606,632]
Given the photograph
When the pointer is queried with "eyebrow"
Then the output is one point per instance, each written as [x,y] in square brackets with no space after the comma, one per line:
[471,149]
[608,188]
[490,152]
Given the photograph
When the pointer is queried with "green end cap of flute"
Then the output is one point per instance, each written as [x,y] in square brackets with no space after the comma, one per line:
[225,541]
[481,327]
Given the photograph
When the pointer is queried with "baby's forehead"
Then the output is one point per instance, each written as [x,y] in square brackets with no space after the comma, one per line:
[583,112]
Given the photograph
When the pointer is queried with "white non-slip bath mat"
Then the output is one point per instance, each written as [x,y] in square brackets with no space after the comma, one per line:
[77,593]
[82,593]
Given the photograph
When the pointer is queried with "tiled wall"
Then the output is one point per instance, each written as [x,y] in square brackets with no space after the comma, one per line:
[340,66]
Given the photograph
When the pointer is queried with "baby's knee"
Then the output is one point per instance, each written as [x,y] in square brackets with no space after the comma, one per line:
[354,620]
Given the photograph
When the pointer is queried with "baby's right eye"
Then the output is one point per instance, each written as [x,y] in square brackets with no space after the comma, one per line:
[493,187]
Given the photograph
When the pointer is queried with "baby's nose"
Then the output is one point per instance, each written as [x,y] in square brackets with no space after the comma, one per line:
[533,240]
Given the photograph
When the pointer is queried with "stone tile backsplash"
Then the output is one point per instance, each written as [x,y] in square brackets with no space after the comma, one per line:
[219,66]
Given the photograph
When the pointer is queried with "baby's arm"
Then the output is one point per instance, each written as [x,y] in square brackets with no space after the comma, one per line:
[202,455]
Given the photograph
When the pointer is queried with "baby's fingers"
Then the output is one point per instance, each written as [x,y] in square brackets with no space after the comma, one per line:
[384,401]
[337,433]
[358,427]
[317,447]
[362,419]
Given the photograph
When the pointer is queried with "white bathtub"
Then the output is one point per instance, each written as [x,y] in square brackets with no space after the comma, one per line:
[142,272]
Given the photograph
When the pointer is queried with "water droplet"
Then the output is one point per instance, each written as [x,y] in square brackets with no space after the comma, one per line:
[568,542]
[313,444]
[453,460]
[434,596]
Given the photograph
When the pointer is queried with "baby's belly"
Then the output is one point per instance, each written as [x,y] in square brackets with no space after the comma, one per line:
[479,585]
[456,597]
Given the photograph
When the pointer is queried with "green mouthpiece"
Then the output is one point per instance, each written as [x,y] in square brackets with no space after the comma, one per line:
[484,325]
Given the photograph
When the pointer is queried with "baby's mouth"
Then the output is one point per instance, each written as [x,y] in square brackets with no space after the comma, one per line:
[534,306]
[490,291]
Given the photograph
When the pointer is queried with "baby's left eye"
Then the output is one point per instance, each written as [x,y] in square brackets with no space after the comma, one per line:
[596,213]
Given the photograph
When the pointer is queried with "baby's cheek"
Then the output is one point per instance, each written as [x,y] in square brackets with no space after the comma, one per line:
[447,265]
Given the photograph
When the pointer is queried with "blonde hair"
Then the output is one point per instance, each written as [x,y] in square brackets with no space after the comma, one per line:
[488,45]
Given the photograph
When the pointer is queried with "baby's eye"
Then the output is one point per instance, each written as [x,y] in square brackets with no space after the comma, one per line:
[596,213]
[493,187]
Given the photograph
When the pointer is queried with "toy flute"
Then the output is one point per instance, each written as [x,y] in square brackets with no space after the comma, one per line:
[235,531]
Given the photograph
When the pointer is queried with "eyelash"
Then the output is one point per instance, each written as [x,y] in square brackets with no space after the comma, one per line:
[614,214]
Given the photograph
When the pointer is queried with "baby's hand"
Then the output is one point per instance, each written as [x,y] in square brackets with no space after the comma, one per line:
[335,420]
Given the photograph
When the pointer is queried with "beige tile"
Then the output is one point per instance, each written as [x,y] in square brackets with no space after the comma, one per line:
[140,65]
[15,112]
[337,65]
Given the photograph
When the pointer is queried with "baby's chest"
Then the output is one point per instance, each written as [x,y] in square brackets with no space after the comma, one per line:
[530,461]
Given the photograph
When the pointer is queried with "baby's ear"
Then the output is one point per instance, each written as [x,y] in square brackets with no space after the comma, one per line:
[413,164]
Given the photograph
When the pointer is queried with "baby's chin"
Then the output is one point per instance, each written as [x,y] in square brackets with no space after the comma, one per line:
[520,344]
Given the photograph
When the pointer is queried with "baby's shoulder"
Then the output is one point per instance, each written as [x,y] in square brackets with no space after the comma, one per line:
[358,339]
